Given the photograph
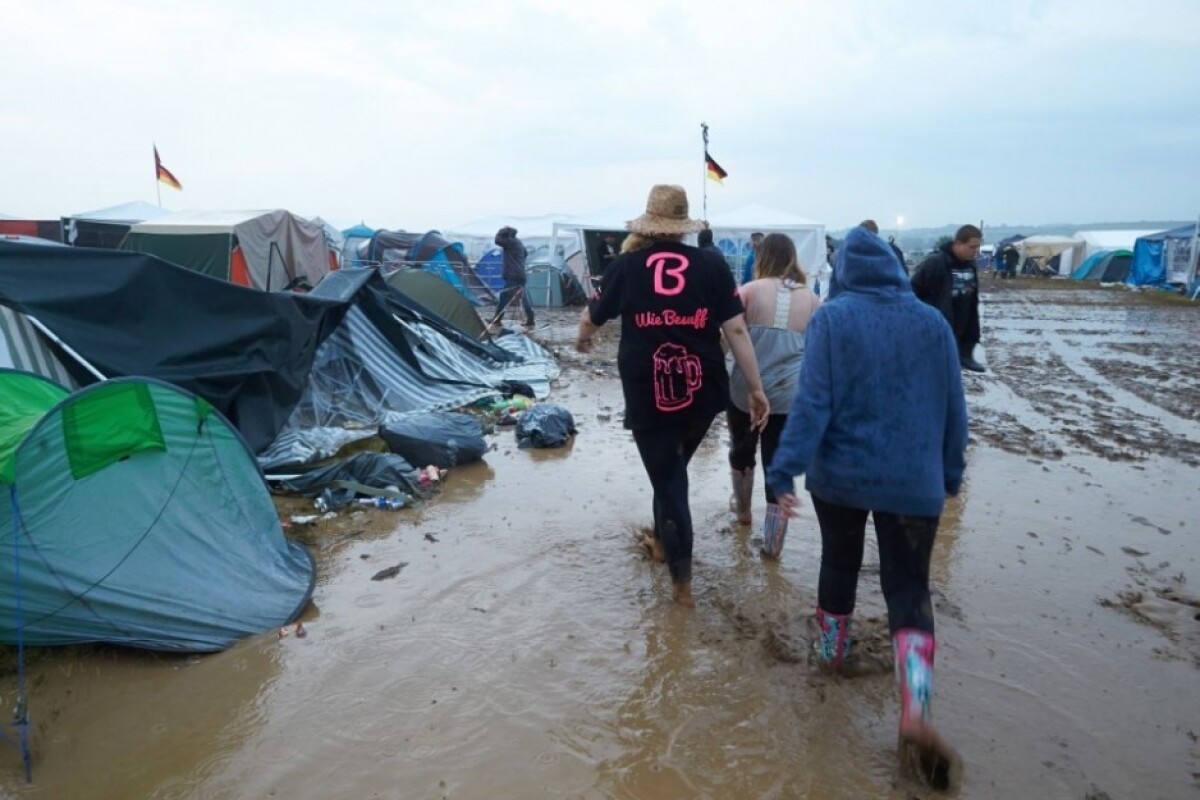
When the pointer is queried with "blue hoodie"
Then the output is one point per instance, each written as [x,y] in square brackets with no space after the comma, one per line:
[880,420]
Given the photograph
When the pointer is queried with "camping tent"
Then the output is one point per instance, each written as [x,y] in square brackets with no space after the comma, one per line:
[42,229]
[1107,241]
[436,294]
[1165,257]
[181,549]
[352,239]
[268,250]
[1110,266]
[107,227]
[1042,249]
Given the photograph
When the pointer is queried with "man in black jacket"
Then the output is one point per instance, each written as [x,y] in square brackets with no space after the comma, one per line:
[948,280]
[513,273]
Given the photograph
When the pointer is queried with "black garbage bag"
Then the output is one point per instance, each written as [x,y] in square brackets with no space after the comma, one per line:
[546,425]
[443,438]
[363,473]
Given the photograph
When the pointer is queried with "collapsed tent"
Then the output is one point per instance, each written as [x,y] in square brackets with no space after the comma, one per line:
[437,295]
[431,252]
[297,374]
[269,250]
[135,515]
[1168,257]
[107,227]
[434,253]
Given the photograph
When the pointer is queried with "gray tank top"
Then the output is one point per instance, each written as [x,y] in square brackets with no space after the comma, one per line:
[780,352]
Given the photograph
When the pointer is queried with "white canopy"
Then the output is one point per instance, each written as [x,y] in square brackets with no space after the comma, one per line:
[479,235]
[1044,248]
[1100,241]
[127,213]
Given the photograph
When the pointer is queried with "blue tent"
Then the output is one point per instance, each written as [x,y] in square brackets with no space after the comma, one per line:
[352,239]
[1150,256]
[490,268]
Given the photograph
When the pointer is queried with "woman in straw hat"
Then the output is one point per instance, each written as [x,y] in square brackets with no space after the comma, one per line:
[674,301]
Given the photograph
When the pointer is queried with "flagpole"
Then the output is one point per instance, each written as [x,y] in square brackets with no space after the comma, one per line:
[157,185]
[704,176]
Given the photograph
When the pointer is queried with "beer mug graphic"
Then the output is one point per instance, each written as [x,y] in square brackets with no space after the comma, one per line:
[677,376]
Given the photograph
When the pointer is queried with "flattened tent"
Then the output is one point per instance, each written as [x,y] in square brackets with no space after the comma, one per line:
[182,549]
[268,250]
[442,299]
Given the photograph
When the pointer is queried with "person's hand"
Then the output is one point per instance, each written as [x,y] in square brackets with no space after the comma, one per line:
[790,504]
[583,344]
[760,409]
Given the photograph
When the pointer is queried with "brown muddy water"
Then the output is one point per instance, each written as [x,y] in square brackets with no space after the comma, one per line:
[528,649]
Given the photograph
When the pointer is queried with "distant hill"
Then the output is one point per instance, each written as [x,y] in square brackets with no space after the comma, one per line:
[922,239]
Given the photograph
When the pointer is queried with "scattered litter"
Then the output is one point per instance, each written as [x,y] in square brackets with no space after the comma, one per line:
[1133,551]
[390,572]
[429,537]
[304,519]
[301,631]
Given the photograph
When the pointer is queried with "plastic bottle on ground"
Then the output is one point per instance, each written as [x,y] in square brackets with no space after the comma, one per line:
[389,503]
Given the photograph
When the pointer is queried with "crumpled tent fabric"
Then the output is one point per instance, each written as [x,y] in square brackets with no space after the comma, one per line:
[362,473]
[298,375]
[546,425]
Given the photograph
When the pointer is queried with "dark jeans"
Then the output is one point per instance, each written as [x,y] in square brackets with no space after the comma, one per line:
[905,544]
[666,452]
[506,295]
[743,441]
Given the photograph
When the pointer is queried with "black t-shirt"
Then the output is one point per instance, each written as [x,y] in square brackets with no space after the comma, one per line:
[672,300]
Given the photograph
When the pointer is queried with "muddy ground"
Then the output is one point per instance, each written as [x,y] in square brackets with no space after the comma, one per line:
[527,648]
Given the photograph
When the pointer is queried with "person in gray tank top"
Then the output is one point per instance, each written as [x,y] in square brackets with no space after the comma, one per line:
[778,307]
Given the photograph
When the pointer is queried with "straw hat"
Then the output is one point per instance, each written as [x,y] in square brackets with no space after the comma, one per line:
[666,213]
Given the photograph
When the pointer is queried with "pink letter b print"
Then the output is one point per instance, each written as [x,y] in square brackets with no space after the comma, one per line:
[669,266]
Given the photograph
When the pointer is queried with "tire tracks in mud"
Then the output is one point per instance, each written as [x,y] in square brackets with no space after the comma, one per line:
[1058,389]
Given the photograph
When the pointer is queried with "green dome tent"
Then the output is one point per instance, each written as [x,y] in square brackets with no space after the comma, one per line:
[132,513]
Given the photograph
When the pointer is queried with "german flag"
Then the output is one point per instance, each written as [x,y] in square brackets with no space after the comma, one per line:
[164,174]
[714,170]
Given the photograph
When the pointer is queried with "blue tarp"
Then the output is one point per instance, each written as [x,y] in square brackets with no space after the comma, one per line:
[1149,268]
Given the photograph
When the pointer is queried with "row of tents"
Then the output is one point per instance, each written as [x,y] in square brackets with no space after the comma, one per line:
[278,250]
[1143,258]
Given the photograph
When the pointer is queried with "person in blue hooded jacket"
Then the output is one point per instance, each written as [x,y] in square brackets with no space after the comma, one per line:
[879,426]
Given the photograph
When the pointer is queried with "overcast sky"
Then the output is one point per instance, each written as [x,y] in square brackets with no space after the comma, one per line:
[420,115]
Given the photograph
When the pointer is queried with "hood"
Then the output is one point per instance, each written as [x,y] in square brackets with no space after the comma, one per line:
[866,264]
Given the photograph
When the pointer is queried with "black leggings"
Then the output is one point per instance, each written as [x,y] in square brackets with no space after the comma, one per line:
[665,453]
[905,544]
[744,440]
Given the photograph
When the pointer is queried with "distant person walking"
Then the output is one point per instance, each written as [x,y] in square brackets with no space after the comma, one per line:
[948,280]
[1009,258]
[748,267]
[879,424]
[674,301]
[513,274]
[778,308]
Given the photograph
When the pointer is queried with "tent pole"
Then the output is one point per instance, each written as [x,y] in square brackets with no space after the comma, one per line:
[1194,256]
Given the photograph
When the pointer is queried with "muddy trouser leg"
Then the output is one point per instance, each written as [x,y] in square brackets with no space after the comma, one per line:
[905,546]
[503,299]
[665,453]
[770,443]
[743,441]
[528,306]
[842,534]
